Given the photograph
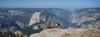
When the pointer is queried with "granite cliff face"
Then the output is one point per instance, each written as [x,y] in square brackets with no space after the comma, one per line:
[86,18]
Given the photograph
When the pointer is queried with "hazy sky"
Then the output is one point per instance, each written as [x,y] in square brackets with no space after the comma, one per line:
[50,3]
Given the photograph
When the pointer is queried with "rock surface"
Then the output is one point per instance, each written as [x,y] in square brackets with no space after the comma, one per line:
[35,18]
[68,33]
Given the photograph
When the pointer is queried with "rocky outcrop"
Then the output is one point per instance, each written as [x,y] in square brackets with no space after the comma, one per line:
[68,33]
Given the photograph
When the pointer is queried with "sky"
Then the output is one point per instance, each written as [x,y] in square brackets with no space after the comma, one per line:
[49,3]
